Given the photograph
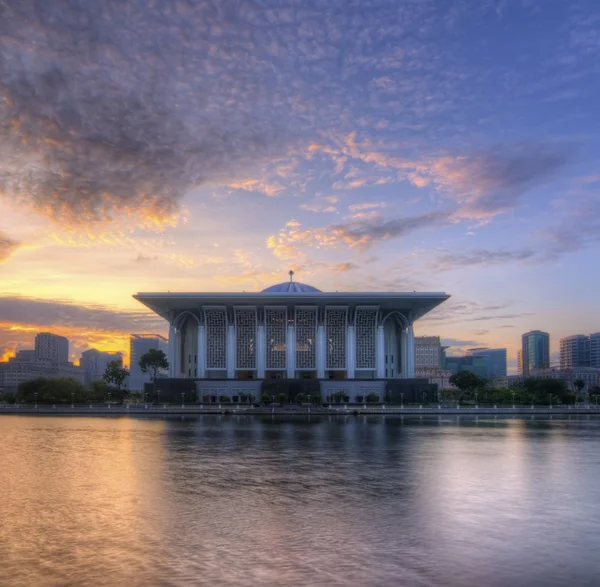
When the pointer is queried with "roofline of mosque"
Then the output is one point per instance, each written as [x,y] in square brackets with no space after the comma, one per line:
[288,296]
[165,304]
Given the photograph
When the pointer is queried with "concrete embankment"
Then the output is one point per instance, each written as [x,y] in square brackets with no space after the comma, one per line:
[164,410]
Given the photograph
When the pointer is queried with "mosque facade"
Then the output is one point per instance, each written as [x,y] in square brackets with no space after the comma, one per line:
[231,343]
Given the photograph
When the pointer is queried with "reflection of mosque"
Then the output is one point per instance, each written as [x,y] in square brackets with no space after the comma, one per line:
[291,337]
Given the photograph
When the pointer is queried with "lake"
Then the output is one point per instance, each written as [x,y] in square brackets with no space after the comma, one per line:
[340,501]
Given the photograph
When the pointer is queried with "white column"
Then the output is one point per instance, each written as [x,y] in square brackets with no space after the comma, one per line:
[291,352]
[380,371]
[172,350]
[321,352]
[410,352]
[260,351]
[404,354]
[230,352]
[350,351]
[201,356]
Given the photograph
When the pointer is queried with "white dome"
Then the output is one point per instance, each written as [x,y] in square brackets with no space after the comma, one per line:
[291,287]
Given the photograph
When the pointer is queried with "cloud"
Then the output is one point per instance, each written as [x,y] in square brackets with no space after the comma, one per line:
[7,247]
[363,233]
[492,182]
[449,261]
[343,267]
[19,311]
[321,204]
[114,111]
[483,183]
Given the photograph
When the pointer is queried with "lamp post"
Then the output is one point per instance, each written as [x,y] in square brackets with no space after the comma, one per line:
[513,394]
[182,398]
[72,399]
[402,401]
[423,398]
[157,396]
[476,402]
[109,399]
[550,400]
[36,394]
[145,400]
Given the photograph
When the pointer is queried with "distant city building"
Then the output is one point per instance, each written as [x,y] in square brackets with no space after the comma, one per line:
[439,377]
[140,344]
[94,362]
[535,351]
[520,362]
[589,375]
[595,350]
[24,356]
[575,351]
[428,352]
[51,347]
[495,361]
[17,371]
[475,364]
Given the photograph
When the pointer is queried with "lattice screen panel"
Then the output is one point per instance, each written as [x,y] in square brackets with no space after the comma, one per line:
[365,326]
[216,338]
[245,338]
[306,334]
[276,331]
[335,335]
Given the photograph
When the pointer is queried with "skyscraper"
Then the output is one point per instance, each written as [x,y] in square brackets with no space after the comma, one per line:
[535,351]
[575,351]
[595,350]
[140,344]
[51,347]
[519,362]
[495,361]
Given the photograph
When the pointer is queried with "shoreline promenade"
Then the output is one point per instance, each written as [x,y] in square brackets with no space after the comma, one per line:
[334,410]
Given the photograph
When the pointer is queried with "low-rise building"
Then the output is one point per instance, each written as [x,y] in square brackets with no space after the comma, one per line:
[15,372]
[439,377]
[589,375]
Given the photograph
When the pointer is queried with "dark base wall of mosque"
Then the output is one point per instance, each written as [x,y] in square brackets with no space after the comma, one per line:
[397,391]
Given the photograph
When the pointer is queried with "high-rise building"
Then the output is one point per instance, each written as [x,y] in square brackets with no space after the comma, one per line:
[94,362]
[535,351]
[595,350]
[495,361]
[520,362]
[139,344]
[575,351]
[428,352]
[51,347]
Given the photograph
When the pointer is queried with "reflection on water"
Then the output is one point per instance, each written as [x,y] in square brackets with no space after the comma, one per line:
[341,501]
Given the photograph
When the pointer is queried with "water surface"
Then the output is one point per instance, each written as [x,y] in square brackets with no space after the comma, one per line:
[364,501]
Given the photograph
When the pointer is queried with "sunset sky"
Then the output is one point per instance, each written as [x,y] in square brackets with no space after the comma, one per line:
[372,145]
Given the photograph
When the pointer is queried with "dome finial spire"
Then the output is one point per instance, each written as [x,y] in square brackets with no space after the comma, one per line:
[291,274]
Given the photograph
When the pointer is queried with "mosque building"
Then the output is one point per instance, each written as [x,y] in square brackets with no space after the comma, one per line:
[236,344]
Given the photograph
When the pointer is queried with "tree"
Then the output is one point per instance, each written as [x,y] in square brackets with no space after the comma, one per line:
[467,381]
[372,398]
[152,363]
[300,398]
[579,384]
[115,375]
[266,398]
[52,390]
[100,390]
[315,398]
[594,392]
[282,398]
